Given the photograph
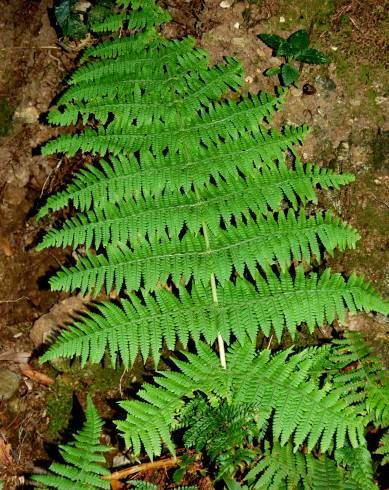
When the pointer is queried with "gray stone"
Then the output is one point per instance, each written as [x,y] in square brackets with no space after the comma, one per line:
[325,83]
[9,384]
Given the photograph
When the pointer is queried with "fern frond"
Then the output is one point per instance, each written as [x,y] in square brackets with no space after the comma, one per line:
[362,376]
[279,467]
[136,43]
[83,463]
[141,17]
[196,91]
[153,175]
[245,245]
[358,461]
[242,310]
[273,384]
[154,216]
[383,448]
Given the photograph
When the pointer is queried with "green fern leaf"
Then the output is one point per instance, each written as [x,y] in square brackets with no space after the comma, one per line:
[362,376]
[272,384]
[142,16]
[83,463]
[200,86]
[153,216]
[245,245]
[383,448]
[242,310]
[124,177]
[359,462]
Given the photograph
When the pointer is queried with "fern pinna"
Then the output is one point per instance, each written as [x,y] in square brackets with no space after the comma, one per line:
[193,211]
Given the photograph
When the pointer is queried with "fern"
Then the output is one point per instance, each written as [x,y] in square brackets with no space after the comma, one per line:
[152,216]
[83,463]
[361,375]
[383,448]
[242,309]
[194,189]
[281,383]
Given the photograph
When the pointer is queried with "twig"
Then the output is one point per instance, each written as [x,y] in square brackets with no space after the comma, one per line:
[14,300]
[378,200]
[29,47]
[153,465]
[48,177]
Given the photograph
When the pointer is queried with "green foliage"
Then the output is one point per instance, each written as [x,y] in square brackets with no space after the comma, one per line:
[283,388]
[192,210]
[75,22]
[83,462]
[383,448]
[192,186]
[295,48]
[279,302]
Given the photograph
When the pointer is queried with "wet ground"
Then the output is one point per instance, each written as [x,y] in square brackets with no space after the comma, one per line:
[349,133]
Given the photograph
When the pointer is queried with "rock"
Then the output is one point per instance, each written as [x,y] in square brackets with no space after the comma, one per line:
[9,384]
[226,4]
[325,83]
[239,42]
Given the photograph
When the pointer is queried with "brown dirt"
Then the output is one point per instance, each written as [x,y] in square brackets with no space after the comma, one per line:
[350,133]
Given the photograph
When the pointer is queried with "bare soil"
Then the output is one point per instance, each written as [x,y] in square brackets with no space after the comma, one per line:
[350,132]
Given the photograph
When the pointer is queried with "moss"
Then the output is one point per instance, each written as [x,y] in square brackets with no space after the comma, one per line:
[59,407]
[6,113]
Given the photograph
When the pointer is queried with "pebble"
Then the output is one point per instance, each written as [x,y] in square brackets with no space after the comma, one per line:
[282,20]
[239,42]
[326,83]
[225,4]
[9,384]
[236,25]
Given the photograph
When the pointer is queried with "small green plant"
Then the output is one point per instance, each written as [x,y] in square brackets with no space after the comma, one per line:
[83,461]
[294,48]
[74,21]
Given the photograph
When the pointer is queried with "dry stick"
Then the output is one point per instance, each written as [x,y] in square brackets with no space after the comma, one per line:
[153,465]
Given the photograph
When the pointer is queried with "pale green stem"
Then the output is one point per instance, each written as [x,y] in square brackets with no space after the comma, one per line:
[222,352]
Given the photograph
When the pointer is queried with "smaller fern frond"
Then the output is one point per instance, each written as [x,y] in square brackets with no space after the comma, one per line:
[275,386]
[383,449]
[362,376]
[141,16]
[358,461]
[83,461]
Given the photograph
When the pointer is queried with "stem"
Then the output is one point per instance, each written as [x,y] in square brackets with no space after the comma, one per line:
[220,341]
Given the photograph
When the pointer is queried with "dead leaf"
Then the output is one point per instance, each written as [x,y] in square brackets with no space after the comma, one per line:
[6,458]
[36,375]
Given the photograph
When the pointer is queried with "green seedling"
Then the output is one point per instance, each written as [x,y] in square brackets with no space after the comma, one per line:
[295,48]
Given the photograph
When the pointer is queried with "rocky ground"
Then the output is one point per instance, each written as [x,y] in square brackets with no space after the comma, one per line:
[345,104]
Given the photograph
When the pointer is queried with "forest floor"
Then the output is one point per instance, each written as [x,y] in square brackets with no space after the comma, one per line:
[350,132]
